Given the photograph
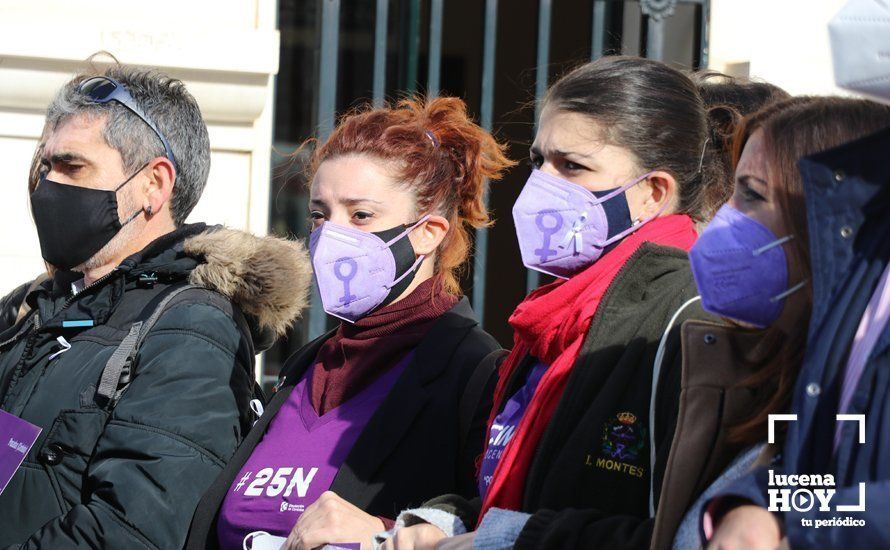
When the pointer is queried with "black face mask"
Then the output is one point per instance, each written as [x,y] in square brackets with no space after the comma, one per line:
[403,252]
[74,223]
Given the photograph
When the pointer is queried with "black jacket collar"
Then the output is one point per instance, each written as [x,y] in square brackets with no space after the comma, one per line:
[163,260]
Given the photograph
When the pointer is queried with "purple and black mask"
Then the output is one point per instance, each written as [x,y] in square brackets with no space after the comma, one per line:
[357,271]
[562,227]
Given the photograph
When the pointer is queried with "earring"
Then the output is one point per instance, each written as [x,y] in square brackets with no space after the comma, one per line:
[148,210]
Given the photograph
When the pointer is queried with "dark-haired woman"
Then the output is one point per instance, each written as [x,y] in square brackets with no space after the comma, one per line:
[388,409]
[582,423]
[761,238]
[727,100]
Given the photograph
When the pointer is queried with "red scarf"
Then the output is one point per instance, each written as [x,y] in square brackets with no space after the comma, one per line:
[358,353]
[551,324]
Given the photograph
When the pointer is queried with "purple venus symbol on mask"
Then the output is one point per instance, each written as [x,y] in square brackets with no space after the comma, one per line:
[348,296]
[547,232]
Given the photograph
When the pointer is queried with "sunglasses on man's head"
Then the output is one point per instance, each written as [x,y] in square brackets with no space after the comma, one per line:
[102,89]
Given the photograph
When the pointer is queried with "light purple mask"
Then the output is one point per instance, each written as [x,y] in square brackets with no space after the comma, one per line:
[562,227]
[356,270]
[740,269]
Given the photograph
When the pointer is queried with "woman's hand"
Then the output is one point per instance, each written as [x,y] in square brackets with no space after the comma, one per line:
[460,542]
[330,520]
[423,536]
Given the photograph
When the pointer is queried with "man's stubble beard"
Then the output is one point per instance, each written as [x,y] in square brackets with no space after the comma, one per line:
[124,237]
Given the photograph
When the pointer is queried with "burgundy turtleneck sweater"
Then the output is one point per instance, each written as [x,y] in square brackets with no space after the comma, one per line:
[358,353]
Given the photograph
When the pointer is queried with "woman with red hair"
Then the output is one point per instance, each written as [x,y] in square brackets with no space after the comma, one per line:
[389,409]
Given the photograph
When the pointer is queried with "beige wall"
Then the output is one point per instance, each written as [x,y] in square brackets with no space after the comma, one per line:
[225,50]
[782,41]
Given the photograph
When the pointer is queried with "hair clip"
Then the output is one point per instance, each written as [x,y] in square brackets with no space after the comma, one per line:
[701,160]
[432,138]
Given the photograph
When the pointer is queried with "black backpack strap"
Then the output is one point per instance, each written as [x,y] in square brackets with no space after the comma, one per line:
[244,326]
[118,371]
[473,392]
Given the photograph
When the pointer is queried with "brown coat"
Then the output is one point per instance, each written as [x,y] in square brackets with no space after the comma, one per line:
[716,359]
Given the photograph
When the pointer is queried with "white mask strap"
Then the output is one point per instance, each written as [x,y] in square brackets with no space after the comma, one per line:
[772,245]
[417,263]
[249,538]
[409,230]
[636,225]
[621,189]
[788,292]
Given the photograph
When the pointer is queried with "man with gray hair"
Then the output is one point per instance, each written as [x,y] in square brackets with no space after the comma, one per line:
[135,358]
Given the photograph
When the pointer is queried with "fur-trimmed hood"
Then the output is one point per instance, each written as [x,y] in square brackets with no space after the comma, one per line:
[267,277]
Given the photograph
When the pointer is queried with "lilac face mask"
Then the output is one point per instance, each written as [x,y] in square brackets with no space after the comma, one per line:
[562,228]
[740,269]
[357,271]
